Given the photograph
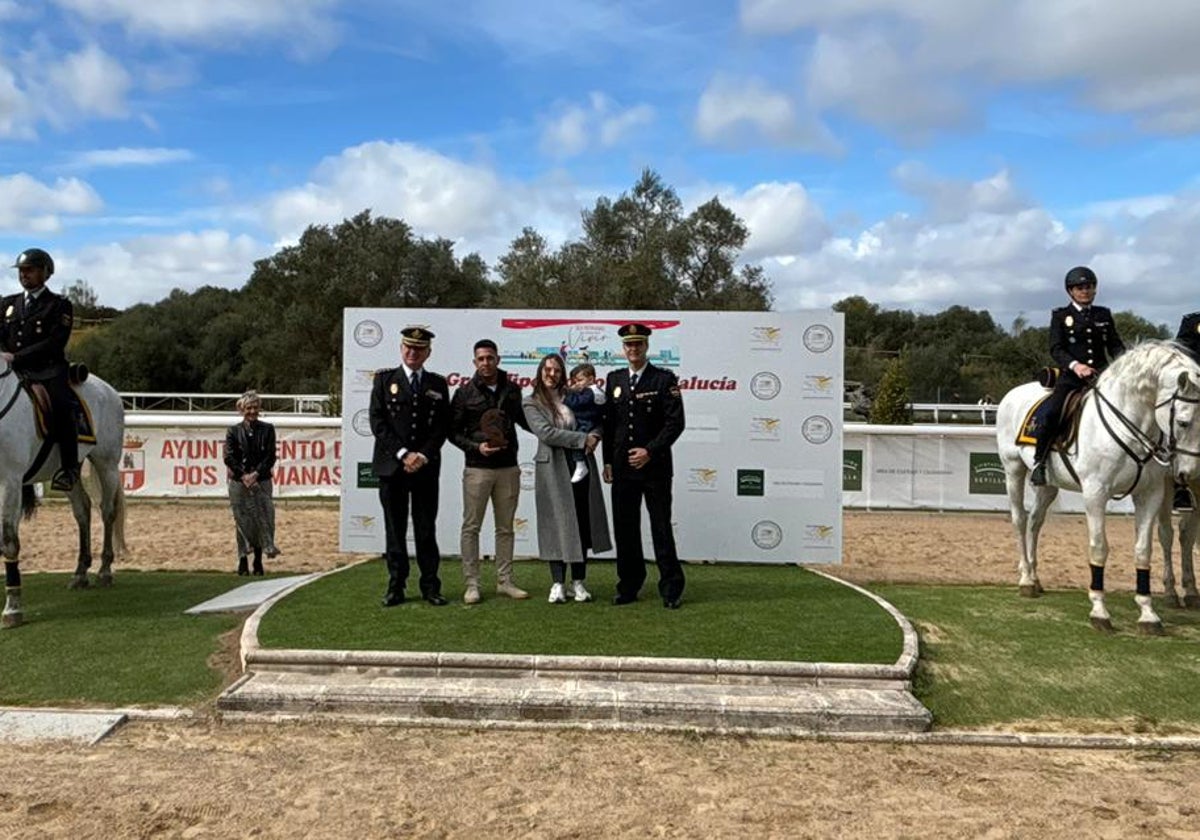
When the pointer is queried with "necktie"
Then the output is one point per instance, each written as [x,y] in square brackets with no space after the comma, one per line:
[633,378]
[416,382]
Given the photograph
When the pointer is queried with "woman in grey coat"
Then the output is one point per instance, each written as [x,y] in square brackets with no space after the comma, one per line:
[571,518]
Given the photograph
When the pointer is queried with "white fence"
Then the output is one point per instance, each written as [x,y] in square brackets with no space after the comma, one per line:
[931,467]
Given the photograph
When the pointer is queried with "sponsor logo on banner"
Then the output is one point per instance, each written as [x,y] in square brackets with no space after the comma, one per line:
[362,422]
[133,466]
[852,463]
[363,524]
[987,474]
[816,536]
[366,477]
[765,428]
[765,385]
[528,481]
[368,333]
[817,429]
[751,482]
[702,480]
[766,534]
[818,338]
[363,379]
[580,340]
[520,529]
[818,386]
[766,338]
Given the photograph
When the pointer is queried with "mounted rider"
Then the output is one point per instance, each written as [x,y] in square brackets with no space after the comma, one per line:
[1083,340]
[35,326]
[1189,337]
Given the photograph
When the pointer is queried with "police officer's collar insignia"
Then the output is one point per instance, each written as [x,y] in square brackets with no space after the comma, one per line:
[395,389]
[1069,321]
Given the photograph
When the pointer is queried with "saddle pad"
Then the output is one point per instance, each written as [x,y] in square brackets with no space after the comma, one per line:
[84,426]
[1068,428]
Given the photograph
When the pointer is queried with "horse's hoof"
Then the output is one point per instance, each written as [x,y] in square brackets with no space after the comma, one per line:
[1030,591]
[1150,628]
[78,582]
[1102,624]
[104,581]
[1191,602]
[11,619]
[1038,586]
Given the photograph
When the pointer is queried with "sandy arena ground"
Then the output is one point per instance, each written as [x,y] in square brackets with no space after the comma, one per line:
[206,778]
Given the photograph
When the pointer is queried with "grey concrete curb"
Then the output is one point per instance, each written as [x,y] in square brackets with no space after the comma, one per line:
[452,664]
[1010,740]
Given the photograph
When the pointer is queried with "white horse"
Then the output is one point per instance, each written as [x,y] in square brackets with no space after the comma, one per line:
[1136,432]
[1189,527]
[19,450]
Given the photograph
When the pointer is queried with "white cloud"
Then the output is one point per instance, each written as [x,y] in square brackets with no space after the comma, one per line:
[306,23]
[575,128]
[92,81]
[949,199]
[782,218]
[146,268]
[126,156]
[917,65]
[744,112]
[27,204]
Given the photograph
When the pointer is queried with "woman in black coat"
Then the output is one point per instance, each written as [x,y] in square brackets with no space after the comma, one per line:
[249,459]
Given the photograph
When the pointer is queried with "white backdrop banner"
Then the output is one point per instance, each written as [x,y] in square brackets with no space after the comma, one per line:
[757,475]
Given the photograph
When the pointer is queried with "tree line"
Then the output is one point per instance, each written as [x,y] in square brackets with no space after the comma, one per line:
[282,330]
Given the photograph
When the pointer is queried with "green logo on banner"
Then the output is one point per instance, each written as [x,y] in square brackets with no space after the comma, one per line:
[366,476]
[750,482]
[987,474]
[852,470]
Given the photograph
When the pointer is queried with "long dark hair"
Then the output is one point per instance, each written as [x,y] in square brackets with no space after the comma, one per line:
[541,393]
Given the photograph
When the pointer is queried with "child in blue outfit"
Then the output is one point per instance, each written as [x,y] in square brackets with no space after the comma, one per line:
[586,400]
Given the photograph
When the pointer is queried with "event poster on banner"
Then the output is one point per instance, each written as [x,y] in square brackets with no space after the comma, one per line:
[758,470]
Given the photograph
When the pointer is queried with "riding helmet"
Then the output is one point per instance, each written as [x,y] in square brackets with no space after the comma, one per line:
[37,258]
[1080,275]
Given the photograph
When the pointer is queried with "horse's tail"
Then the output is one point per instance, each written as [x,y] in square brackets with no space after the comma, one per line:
[29,501]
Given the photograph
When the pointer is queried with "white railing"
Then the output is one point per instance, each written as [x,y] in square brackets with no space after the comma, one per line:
[311,404]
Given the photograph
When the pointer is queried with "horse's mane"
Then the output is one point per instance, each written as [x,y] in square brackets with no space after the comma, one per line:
[1142,363]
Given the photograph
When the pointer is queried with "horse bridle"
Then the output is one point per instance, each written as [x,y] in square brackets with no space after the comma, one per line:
[1163,455]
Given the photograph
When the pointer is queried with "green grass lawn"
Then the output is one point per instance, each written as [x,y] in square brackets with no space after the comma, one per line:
[990,657]
[130,644]
[731,611]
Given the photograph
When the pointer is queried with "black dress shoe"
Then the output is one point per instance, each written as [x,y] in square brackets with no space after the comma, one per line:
[619,599]
[243,566]
[436,600]
[393,598]
[672,603]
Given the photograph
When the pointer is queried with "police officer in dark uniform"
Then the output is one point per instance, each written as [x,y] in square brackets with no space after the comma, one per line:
[410,418]
[643,418]
[1083,340]
[34,330]
[1189,337]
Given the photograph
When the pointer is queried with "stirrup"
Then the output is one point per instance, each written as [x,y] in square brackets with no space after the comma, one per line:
[64,480]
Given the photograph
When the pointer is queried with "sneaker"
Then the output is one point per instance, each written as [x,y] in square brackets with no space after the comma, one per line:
[582,596]
[581,472]
[471,596]
[511,590]
[557,595]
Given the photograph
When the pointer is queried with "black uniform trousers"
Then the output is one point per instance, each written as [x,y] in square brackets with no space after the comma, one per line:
[627,497]
[64,404]
[395,493]
[1051,411]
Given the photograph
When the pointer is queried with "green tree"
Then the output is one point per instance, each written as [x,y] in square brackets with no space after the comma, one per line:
[891,404]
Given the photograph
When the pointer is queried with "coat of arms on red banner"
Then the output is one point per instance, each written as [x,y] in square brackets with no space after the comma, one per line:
[133,465]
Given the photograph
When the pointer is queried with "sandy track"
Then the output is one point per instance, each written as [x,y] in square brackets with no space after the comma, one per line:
[212,779]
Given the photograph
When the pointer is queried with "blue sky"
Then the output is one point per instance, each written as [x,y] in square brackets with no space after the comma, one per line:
[921,153]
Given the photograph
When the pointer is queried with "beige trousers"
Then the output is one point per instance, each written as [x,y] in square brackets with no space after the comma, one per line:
[502,486]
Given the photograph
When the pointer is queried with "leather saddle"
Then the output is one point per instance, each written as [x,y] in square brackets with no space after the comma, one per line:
[1035,421]
[43,409]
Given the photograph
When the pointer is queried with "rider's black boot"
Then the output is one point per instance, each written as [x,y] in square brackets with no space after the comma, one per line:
[258,566]
[243,566]
[1038,478]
